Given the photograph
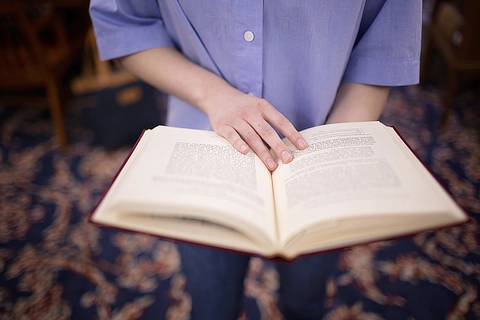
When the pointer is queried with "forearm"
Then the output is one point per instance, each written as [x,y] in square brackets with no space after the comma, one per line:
[172,73]
[358,102]
[247,122]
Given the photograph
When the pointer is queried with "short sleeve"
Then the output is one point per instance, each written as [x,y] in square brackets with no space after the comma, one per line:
[124,27]
[387,51]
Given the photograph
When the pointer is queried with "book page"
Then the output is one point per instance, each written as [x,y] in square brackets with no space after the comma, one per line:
[195,178]
[351,174]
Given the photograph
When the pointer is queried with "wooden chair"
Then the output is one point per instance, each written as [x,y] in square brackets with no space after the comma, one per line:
[35,54]
[97,74]
[455,33]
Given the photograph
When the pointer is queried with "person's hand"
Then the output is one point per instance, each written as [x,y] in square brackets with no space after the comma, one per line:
[248,122]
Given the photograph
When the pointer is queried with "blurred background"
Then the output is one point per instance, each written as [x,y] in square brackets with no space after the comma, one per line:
[68,121]
[48,57]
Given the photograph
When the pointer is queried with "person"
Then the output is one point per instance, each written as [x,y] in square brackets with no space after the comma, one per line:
[255,72]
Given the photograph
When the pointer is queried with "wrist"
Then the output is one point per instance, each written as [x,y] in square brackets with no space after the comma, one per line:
[213,94]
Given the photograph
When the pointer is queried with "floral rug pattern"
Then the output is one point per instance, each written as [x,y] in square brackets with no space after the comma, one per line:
[55,265]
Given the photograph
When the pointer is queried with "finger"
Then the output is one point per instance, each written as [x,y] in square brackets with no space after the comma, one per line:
[251,137]
[271,138]
[280,122]
[232,136]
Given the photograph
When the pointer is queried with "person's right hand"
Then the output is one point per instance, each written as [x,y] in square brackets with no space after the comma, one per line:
[248,122]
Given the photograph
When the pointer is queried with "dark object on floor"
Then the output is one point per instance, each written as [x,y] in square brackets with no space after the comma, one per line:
[118,115]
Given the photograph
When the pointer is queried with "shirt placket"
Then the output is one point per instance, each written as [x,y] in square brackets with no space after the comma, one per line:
[249,41]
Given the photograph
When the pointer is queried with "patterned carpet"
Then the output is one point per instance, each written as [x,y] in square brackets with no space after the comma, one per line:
[54,265]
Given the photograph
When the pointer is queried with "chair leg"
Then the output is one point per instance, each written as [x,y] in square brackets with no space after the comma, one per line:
[449,102]
[426,61]
[55,106]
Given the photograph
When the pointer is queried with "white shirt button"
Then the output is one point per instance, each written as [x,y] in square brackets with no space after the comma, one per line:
[248,36]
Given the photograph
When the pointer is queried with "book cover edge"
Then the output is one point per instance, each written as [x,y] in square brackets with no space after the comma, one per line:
[122,166]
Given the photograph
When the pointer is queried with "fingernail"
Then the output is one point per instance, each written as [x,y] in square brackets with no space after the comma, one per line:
[243,148]
[271,164]
[302,144]
[286,156]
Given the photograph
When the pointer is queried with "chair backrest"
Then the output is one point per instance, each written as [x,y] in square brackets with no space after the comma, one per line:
[459,23]
[469,48]
[30,41]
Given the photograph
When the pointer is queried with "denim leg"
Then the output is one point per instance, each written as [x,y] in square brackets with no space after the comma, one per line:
[302,285]
[214,281]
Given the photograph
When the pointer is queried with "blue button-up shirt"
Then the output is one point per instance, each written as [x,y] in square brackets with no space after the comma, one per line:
[294,53]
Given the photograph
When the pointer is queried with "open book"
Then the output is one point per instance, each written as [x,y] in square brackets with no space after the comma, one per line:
[355,183]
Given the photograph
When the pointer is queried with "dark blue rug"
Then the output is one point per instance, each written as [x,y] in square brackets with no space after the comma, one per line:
[54,265]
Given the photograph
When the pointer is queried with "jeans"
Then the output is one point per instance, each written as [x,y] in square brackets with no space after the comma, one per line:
[215,283]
